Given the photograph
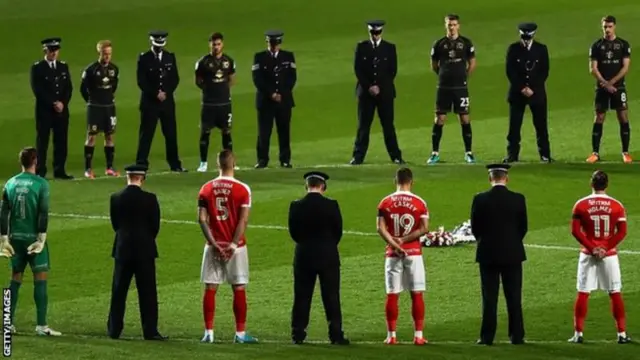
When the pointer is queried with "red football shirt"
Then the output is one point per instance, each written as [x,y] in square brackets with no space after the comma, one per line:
[403,211]
[599,215]
[224,197]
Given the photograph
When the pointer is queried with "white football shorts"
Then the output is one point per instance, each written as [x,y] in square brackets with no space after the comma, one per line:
[404,273]
[235,271]
[595,274]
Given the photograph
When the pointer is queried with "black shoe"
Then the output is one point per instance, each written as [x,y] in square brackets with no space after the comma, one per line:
[63,176]
[624,339]
[297,342]
[286,165]
[482,342]
[156,337]
[546,159]
[261,165]
[179,169]
[509,159]
[355,161]
[518,342]
[399,161]
[342,341]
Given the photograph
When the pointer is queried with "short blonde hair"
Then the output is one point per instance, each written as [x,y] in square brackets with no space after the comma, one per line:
[102,44]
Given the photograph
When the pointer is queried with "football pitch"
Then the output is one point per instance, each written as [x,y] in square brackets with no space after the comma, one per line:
[323,35]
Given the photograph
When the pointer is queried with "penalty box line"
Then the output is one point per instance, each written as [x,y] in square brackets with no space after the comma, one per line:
[284,228]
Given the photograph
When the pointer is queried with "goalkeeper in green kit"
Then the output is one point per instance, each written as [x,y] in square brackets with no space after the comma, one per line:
[24,215]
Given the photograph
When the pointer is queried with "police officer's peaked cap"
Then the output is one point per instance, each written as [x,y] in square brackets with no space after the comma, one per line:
[274,35]
[158,37]
[528,29]
[499,167]
[316,175]
[51,43]
[376,25]
[136,169]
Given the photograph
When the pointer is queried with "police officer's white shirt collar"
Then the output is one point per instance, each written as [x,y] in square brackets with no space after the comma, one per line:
[375,43]
[527,43]
[498,184]
[274,54]
[51,63]
[158,54]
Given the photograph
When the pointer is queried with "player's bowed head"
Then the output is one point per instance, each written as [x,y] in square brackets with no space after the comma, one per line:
[226,162]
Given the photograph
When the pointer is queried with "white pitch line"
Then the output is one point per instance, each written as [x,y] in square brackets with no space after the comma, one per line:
[330,166]
[326,342]
[347,232]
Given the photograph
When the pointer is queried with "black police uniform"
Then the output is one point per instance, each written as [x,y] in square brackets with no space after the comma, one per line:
[376,64]
[50,83]
[527,66]
[315,224]
[610,55]
[499,224]
[452,57]
[212,76]
[158,71]
[135,218]
[274,73]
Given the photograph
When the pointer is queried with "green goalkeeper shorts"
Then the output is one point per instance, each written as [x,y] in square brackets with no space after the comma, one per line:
[37,262]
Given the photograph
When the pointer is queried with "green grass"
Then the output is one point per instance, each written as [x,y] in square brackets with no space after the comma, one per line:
[323,35]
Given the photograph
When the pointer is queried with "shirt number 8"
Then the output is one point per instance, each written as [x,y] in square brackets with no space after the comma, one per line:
[623,97]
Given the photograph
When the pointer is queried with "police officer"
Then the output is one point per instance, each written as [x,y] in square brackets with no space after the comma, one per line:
[98,88]
[215,75]
[315,224]
[274,76]
[52,87]
[376,66]
[158,79]
[135,218]
[527,70]
[499,224]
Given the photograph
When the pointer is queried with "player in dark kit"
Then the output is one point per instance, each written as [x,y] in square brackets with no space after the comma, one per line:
[453,58]
[610,57]
[215,75]
[98,88]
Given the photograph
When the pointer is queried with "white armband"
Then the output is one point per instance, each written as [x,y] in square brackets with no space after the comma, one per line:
[42,237]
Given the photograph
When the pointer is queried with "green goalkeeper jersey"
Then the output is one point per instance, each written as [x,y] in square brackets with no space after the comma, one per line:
[24,209]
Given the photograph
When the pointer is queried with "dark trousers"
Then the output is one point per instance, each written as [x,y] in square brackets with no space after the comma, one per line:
[304,282]
[511,276]
[145,273]
[48,121]
[367,106]
[517,106]
[149,115]
[267,115]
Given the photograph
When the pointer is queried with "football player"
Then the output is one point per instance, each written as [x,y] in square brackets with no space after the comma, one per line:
[599,224]
[403,218]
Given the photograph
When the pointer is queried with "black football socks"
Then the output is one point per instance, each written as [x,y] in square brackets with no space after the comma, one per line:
[88,156]
[436,135]
[596,136]
[625,136]
[467,137]
[204,146]
[109,154]
[227,143]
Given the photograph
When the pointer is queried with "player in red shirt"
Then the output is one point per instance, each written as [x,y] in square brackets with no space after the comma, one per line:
[403,218]
[223,206]
[599,224]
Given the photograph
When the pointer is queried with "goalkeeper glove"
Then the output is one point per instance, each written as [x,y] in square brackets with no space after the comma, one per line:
[6,249]
[37,246]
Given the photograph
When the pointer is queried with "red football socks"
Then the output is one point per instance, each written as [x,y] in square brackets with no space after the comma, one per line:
[391,311]
[580,311]
[417,310]
[617,308]
[209,307]
[240,308]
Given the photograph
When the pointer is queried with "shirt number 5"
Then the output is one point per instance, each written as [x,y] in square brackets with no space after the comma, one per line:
[221,207]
